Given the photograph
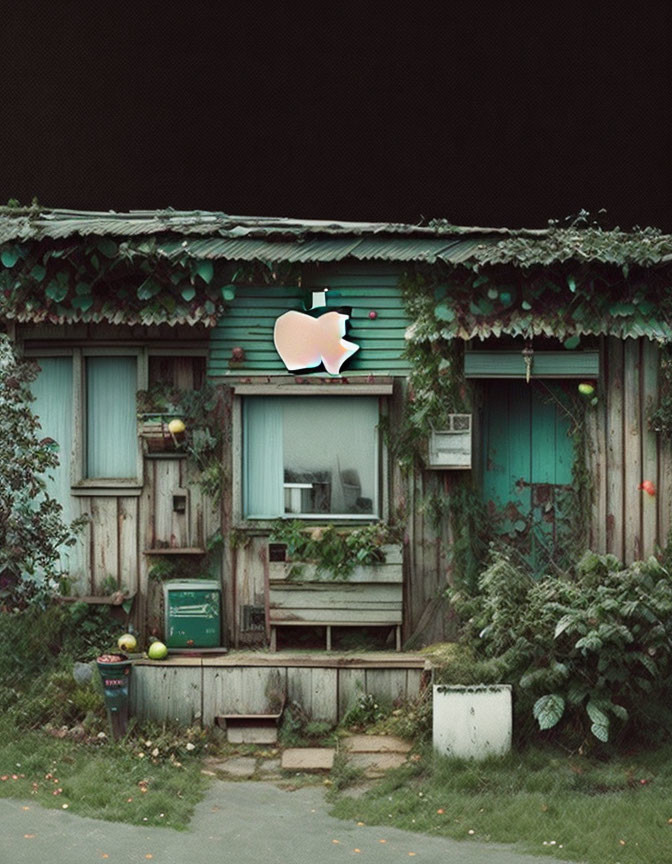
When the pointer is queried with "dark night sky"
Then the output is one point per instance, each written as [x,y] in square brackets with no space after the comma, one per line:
[488,113]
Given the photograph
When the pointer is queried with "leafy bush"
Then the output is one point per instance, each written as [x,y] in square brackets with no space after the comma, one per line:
[592,649]
[37,650]
[31,525]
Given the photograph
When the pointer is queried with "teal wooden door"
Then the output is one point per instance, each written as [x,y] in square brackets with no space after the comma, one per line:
[527,468]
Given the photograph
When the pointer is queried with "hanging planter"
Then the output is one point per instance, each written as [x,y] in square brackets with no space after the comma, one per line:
[155,431]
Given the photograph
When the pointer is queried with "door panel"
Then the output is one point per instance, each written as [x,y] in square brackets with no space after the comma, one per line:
[527,467]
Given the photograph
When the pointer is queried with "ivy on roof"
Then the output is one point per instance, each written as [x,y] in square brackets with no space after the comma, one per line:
[98,279]
[561,301]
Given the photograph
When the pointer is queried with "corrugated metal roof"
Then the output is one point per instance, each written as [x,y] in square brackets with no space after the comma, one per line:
[276,239]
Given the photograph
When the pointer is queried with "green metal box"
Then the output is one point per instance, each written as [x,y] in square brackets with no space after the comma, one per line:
[193,613]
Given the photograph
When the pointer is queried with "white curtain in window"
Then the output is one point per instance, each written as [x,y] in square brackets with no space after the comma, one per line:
[52,390]
[111,433]
[264,477]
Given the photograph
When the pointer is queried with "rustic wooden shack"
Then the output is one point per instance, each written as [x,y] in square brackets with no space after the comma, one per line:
[230,393]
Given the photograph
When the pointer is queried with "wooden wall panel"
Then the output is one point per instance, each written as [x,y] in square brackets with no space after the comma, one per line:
[649,390]
[167,694]
[127,522]
[626,520]
[632,452]
[242,690]
[615,447]
[104,543]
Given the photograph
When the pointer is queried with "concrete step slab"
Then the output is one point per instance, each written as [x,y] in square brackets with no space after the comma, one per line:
[376,764]
[308,759]
[241,767]
[375,744]
[253,734]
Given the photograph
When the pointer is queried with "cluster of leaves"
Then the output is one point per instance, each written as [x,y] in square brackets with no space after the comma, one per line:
[367,710]
[582,236]
[204,435]
[101,279]
[334,553]
[31,525]
[37,650]
[565,301]
[436,386]
[660,420]
[593,649]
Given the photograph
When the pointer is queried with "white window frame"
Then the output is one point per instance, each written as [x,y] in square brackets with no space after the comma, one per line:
[240,520]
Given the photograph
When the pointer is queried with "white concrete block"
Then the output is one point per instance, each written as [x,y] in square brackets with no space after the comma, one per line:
[472,722]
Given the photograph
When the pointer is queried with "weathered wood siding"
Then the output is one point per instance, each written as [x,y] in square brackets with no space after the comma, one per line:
[623,452]
[193,689]
[250,319]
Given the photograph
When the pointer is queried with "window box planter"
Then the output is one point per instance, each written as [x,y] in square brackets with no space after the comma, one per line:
[155,434]
[472,722]
[371,596]
[450,448]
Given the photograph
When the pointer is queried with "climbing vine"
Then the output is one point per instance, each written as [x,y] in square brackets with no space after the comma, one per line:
[660,419]
[203,436]
[437,388]
[144,281]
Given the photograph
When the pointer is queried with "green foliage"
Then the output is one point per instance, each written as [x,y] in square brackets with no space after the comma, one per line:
[335,553]
[99,779]
[31,525]
[298,730]
[203,439]
[660,419]
[542,799]
[367,711]
[37,650]
[135,281]
[436,386]
[592,648]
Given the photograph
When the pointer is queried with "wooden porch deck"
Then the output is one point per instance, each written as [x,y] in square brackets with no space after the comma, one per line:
[189,689]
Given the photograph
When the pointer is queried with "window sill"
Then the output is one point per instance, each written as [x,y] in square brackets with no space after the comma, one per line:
[106,488]
[264,525]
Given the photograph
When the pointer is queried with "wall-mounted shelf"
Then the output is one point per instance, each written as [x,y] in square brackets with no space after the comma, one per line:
[187,550]
[116,599]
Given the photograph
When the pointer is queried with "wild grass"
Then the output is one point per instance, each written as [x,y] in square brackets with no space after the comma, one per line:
[104,781]
[545,802]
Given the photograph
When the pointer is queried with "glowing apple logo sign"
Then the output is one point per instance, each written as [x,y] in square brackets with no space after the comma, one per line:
[304,342]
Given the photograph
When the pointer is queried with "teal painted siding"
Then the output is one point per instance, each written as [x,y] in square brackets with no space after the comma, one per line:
[251,317]
[545,364]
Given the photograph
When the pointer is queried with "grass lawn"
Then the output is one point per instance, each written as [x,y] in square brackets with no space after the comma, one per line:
[543,801]
[106,781]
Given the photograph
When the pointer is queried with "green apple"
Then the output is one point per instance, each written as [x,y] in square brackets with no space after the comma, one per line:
[586,388]
[157,651]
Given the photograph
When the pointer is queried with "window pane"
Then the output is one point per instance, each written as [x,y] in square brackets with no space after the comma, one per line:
[328,449]
[52,390]
[263,457]
[111,434]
